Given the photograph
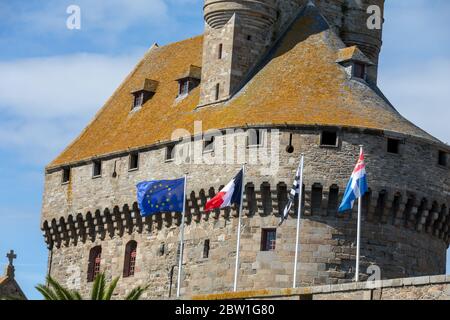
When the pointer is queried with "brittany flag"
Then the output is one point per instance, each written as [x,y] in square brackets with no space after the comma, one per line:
[357,186]
[230,194]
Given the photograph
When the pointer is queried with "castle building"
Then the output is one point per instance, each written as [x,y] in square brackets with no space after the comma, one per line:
[284,77]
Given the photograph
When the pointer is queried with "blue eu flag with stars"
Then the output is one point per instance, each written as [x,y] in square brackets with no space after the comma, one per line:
[160,196]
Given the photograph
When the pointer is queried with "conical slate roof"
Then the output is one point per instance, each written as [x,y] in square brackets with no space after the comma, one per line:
[298,83]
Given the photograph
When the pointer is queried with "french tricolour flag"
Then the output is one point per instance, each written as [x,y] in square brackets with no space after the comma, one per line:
[357,186]
[230,194]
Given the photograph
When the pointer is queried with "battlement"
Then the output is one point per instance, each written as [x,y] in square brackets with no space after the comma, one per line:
[412,211]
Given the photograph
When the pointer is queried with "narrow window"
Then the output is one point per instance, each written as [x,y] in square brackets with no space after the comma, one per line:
[208,145]
[249,38]
[184,87]
[134,161]
[393,146]
[95,258]
[333,200]
[217,91]
[359,70]
[220,51]
[316,198]
[162,249]
[170,152]
[138,99]
[66,175]
[254,138]
[329,139]
[130,259]
[97,168]
[442,158]
[268,239]
[206,249]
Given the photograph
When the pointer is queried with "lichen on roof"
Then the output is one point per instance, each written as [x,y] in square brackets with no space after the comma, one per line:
[300,83]
[352,54]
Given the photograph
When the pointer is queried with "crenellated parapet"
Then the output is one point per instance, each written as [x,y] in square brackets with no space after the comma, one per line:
[403,209]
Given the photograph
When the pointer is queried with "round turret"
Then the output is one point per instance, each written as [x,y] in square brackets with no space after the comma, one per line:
[355,30]
[257,13]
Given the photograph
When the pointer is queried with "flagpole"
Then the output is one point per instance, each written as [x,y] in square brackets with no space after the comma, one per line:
[299,212]
[358,231]
[238,244]
[180,262]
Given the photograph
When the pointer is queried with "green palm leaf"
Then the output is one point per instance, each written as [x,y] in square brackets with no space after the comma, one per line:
[111,288]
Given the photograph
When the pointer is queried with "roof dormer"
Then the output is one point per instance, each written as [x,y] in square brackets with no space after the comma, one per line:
[143,93]
[356,64]
[189,80]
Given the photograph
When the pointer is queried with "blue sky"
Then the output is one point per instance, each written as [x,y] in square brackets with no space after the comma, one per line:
[53,80]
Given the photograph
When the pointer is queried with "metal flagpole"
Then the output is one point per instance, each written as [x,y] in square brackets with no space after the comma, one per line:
[180,263]
[358,231]
[238,245]
[299,212]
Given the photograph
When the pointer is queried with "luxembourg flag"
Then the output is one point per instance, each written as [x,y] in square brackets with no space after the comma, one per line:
[357,186]
[230,194]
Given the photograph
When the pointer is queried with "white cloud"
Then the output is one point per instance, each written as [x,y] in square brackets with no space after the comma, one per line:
[51,15]
[421,93]
[45,102]
[61,86]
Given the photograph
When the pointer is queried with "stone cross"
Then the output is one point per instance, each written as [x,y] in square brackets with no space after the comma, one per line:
[11,256]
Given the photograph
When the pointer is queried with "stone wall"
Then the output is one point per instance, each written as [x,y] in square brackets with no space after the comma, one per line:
[405,217]
[420,288]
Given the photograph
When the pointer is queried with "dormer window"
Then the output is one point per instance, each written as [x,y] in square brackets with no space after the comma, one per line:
[186,85]
[144,93]
[355,62]
[189,80]
[359,70]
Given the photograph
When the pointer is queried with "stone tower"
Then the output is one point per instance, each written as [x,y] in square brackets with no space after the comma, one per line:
[239,32]
[302,75]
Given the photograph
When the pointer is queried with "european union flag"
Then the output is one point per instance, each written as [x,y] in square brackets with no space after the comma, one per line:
[160,196]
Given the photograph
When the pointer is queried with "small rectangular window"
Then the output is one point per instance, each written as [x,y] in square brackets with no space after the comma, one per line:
[393,146]
[170,152]
[254,138]
[184,87]
[329,139]
[443,158]
[206,249]
[208,145]
[162,249]
[268,239]
[217,91]
[134,161]
[220,51]
[66,175]
[249,38]
[359,70]
[138,100]
[97,168]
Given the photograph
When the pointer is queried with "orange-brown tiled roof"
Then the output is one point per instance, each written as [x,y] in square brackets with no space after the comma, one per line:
[300,84]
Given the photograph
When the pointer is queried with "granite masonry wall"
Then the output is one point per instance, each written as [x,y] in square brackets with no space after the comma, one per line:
[418,288]
[404,231]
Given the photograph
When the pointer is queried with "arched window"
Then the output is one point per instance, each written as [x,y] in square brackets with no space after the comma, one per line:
[130,259]
[95,257]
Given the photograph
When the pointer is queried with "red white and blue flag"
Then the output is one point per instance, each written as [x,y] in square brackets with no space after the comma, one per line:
[230,194]
[357,186]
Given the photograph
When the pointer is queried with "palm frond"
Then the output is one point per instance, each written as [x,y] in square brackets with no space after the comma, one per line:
[46,292]
[98,287]
[109,292]
[59,290]
[136,293]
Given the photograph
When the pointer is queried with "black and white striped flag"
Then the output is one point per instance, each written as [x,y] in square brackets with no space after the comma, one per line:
[291,196]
